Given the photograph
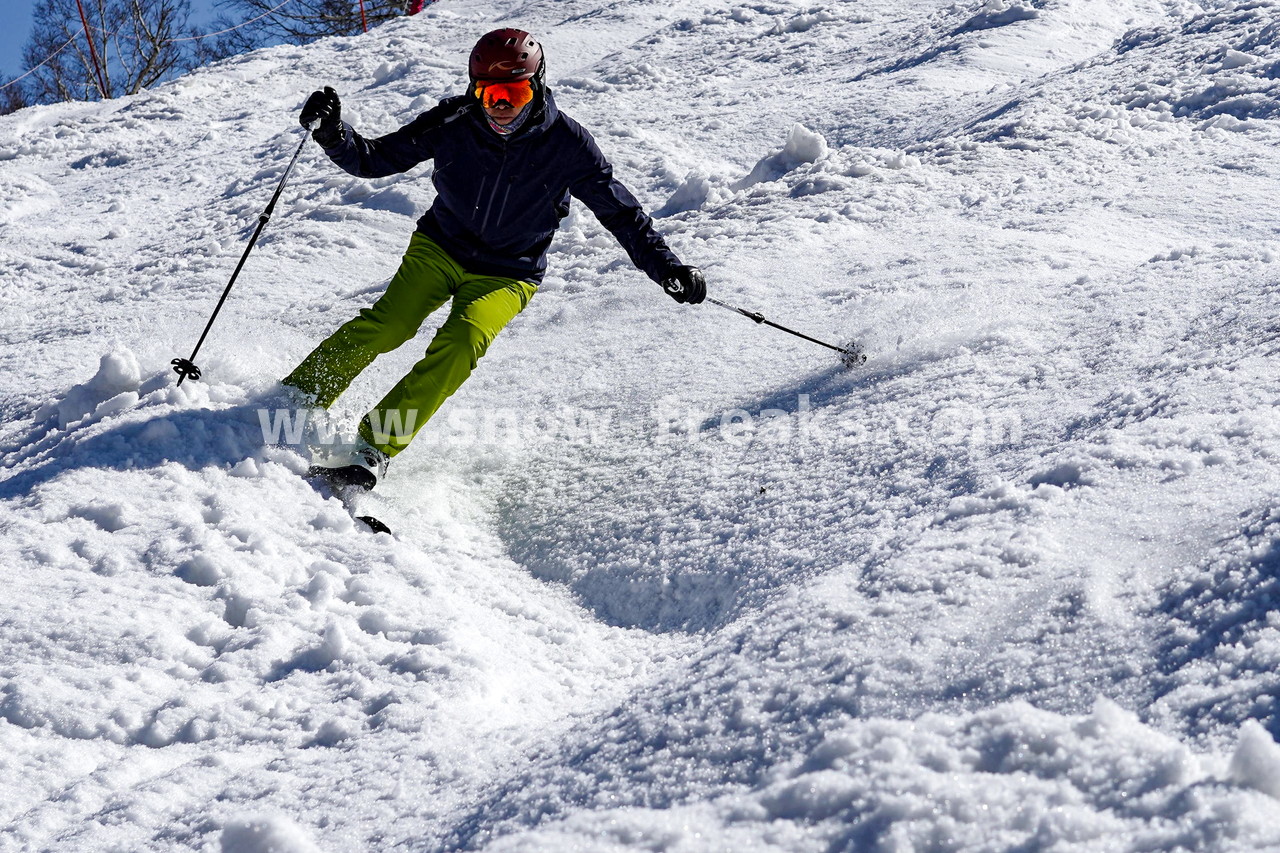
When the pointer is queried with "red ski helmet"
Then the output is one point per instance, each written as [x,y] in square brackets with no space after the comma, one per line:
[507,54]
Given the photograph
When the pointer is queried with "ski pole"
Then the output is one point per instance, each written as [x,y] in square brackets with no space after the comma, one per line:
[186,367]
[851,355]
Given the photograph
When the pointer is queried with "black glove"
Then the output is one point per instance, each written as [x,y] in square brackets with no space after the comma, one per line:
[685,284]
[325,108]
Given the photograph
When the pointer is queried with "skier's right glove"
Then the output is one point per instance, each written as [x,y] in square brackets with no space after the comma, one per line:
[324,107]
[685,285]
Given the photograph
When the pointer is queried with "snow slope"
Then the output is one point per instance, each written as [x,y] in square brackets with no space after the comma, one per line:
[661,579]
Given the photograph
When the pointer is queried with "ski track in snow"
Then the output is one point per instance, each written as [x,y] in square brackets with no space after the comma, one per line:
[1010,586]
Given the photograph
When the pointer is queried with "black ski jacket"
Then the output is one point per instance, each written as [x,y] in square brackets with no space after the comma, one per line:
[499,200]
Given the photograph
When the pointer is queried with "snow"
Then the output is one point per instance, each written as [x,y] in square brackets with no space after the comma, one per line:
[802,146]
[999,13]
[112,389]
[662,579]
[1256,762]
[271,834]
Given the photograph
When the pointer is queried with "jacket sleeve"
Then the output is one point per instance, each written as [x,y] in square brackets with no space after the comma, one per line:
[398,151]
[619,211]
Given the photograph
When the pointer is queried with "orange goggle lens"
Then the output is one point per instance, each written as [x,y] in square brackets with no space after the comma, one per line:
[517,93]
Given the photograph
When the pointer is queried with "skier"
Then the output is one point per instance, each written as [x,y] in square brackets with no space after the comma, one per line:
[506,162]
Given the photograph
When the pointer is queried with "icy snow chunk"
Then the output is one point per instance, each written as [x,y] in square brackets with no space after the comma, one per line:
[898,160]
[265,834]
[334,732]
[1256,762]
[802,146]
[690,195]
[998,13]
[1236,59]
[118,376]
[116,404]
[803,23]
[109,516]
[585,84]
[816,184]
[999,498]
[640,74]
[1228,122]
[813,796]
[236,611]
[333,648]
[375,620]
[1176,255]
[1074,472]
[246,468]
[200,570]
[388,72]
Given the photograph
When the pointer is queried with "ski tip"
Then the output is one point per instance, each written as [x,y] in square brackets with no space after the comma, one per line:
[373,524]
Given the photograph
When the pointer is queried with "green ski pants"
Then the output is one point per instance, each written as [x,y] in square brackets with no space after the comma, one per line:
[427,278]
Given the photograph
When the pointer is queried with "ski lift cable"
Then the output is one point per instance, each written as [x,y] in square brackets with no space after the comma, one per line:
[77,33]
[46,60]
[270,11]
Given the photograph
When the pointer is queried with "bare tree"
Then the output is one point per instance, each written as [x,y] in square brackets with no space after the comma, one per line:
[12,98]
[301,21]
[136,43]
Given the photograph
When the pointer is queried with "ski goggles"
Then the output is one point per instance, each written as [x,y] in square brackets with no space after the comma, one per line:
[517,93]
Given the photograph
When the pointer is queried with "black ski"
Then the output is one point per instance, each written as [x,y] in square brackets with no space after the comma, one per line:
[346,483]
[373,524]
[345,476]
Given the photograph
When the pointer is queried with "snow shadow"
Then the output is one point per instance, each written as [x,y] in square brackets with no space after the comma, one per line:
[659,537]
[193,438]
[661,748]
[935,39]
[907,63]
[1222,647]
[623,569]
[820,390]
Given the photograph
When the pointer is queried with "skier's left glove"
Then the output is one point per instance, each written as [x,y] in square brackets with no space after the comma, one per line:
[685,285]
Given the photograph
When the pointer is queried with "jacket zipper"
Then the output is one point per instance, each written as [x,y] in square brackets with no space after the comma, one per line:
[497,181]
[480,193]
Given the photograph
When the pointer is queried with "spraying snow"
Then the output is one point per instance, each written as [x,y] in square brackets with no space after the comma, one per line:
[663,579]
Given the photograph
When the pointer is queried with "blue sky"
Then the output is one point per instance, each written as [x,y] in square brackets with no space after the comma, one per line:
[18,28]
[12,36]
